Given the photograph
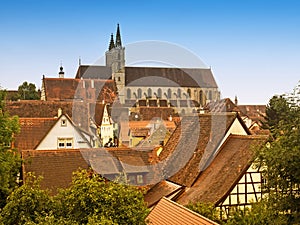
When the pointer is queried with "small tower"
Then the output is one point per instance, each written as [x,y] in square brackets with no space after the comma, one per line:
[115,56]
[61,73]
[236,100]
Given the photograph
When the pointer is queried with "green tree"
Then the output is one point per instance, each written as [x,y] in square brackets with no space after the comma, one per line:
[280,159]
[27,91]
[89,200]
[10,161]
[205,209]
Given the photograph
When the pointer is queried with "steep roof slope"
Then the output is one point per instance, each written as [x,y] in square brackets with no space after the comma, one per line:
[231,162]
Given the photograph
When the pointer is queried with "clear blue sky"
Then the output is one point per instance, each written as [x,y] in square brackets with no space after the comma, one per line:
[252,46]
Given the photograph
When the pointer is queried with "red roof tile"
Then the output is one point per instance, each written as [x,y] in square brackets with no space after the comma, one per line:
[219,178]
[167,212]
[32,131]
[67,89]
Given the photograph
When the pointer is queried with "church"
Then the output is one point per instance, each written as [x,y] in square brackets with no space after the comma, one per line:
[185,89]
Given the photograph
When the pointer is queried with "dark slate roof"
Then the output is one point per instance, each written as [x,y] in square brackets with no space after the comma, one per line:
[167,212]
[193,143]
[169,77]
[232,161]
[254,112]
[67,89]
[93,72]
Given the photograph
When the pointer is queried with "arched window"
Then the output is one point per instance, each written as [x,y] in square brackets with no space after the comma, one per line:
[189,92]
[179,93]
[139,93]
[201,98]
[169,93]
[128,94]
[149,92]
[210,95]
[159,93]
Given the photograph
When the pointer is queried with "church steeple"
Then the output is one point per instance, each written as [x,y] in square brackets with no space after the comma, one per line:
[111,43]
[118,38]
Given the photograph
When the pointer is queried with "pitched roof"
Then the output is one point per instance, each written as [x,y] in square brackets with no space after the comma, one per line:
[93,72]
[56,166]
[254,112]
[68,89]
[169,77]
[168,212]
[80,112]
[162,189]
[192,145]
[32,131]
[223,105]
[219,178]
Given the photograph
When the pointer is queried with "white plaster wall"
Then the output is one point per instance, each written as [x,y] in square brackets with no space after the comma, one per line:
[51,140]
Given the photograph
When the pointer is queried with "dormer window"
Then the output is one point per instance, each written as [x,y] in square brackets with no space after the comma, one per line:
[63,122]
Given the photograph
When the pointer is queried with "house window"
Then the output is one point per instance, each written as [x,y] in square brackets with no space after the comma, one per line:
[131,179]
[179,93]
[65,143]
[119,79]
[63,123]
[149,93]
[169,93]
[140,179]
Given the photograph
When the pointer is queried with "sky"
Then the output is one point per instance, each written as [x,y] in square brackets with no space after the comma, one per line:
[252,46]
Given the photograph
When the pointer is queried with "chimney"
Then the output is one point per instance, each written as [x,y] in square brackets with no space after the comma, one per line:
[59,112]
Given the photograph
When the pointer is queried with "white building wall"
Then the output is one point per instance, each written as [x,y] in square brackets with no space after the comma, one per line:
[59,131]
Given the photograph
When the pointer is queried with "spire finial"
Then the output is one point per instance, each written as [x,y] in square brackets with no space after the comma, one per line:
[61,73]
[111,43]
[118,37]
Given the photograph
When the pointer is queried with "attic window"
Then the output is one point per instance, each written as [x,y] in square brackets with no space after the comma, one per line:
[65,143]
[63,122]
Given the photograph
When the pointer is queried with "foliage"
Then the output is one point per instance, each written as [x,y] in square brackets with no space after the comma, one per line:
[10,161]
[27,91]
[206,210]
[92,198]
[280,159]
[89,200]
[27,203]
[259,213]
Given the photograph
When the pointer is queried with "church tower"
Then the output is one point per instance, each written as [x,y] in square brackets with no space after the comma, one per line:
[115,56]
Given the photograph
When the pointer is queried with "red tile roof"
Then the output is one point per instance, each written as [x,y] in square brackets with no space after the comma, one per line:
[67,89]
[162,189]
[32,131]
[218,179]
[167,212]
[254,112]
[56,166]
[192,144]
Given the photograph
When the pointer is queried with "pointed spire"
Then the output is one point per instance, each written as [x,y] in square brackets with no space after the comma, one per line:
[118,37]
[111,43]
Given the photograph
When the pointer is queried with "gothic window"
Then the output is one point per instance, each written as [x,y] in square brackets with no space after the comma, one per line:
[128,94]
[189,92]
[201,97]
[139,93]
[179,93]
[159,93]
[169,93]
[210,95]
[149,92]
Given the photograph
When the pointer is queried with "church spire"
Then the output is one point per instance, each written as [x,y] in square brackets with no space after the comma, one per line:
[118,38]
[111,43]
